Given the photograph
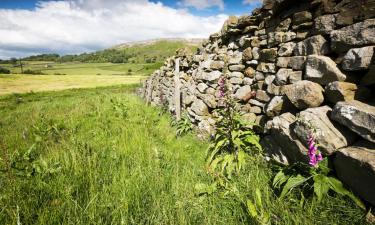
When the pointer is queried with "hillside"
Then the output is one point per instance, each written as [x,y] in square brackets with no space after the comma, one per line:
[151,51]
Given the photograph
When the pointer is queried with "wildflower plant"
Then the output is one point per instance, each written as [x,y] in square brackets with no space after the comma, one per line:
[314,178]
[234,140]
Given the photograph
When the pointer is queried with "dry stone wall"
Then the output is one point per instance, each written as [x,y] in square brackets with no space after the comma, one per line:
[292,63]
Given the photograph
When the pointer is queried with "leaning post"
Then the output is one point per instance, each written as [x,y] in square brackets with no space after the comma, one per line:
[177,92]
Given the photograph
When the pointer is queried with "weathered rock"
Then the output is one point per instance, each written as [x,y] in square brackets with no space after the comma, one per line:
[357,116]
[295,76]
[243,93]
[202,87]
[325,24]
[282,76]
[256,103]
[268,55]
[267,67]
[355,166]
[275,106]
[297,62]
[340,91]
[255,53]
[291,147]
[247,54]
[209,100]
[352,36]
[304,94]
[286,49]
[212,76]
[217,65]
[235,59]
[322,70]
[284,25]
[283,61]
[236,80]
[236,74]
[199,108]
[329,135]
[248,81]
[358,58]
[236,67]
[250,72]
[259,76]
[262,96]
[315,45]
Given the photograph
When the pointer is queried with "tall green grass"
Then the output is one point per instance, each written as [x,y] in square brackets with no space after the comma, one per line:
[101,156]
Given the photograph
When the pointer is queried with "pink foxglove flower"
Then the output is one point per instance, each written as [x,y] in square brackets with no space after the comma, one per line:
[314,154]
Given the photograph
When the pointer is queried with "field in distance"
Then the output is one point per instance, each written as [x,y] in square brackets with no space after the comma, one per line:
[59,76]
[122,64]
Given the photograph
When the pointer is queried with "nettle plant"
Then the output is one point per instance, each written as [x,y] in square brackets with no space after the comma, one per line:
[314,178]
[234,140]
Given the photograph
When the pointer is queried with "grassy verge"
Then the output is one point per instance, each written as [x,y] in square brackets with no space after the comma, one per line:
[100,156]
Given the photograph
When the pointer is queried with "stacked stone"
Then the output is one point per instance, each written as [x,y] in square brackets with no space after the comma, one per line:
[309,63]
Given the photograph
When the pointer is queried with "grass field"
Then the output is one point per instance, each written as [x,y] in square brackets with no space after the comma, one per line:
[21,83]
[101,156]
[73,75]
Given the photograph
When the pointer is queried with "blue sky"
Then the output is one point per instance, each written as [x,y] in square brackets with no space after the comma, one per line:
[73,26]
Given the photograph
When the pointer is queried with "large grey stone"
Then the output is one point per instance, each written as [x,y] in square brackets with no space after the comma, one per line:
[355,166]
[217,65]
[291,147]
[358,58]
[357,116]
[322,70]
[355,35]
[262,96]
[329,135]
[236,58]
[199,108]
[315,45]
[304,94]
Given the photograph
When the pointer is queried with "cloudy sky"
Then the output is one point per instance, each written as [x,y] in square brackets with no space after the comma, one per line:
[74,26]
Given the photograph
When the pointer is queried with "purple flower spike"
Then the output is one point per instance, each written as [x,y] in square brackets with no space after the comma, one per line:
[314,155]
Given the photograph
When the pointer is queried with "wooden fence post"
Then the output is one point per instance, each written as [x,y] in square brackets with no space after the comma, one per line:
[177,92]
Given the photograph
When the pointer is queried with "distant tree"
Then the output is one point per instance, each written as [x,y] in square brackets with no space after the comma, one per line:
[13,61]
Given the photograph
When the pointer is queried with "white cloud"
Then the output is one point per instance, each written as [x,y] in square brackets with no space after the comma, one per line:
[203,4]
[252,2]
[86,25]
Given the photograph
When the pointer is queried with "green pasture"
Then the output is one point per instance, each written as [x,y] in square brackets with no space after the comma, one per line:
[102,156]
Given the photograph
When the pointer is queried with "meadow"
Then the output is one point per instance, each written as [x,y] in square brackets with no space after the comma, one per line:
[60,76]
[101,156]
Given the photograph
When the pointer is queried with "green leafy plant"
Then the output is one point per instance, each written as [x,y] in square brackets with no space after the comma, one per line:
[234,139]
[317,180]
[256,209]
[183,126]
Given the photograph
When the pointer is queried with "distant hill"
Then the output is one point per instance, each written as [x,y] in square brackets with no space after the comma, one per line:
[185,41]
[151,51]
